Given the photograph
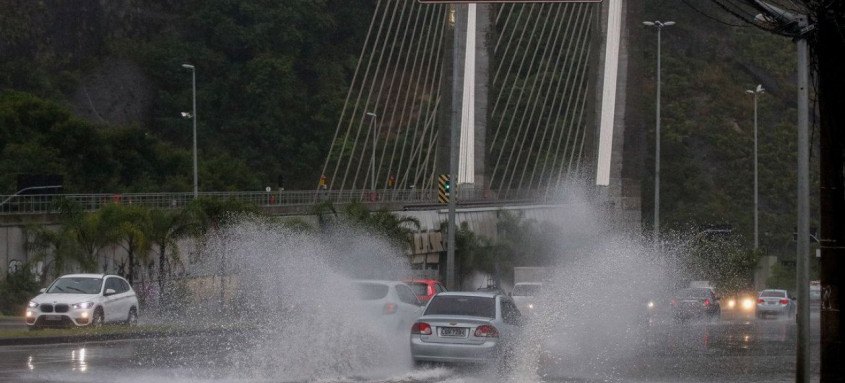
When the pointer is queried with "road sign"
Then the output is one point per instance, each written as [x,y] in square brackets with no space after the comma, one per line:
[443,186]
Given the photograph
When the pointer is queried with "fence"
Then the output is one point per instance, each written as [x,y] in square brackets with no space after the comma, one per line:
[49,203]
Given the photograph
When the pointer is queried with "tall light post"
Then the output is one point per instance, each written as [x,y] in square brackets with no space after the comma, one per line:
[659,25]
[372,117]
[194,117]
[755,93]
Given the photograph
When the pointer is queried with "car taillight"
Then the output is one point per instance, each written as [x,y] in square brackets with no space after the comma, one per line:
[389,308]
[486,331]
[421,328]
[707,301]
[760,300]
[784,301]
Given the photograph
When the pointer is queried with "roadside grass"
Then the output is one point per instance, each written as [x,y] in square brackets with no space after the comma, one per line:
[83,331]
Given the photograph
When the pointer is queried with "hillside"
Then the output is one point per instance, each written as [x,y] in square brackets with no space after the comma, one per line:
[99,89]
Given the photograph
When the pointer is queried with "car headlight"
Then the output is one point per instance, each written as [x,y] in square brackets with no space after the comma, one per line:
[83,305]
[747,303]
[531,306]
[650,304]
[32,304]
[732,303]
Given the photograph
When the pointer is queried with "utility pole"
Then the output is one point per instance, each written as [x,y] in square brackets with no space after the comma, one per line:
[831,96]
[802,362]
[455,139]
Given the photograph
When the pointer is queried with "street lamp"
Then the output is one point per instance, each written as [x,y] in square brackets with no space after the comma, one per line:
[754,93]
[193,116]
[659,25]
[373,127]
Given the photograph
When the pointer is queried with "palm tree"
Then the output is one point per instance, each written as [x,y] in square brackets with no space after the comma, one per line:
[129,227]
[166,228]
[397,229]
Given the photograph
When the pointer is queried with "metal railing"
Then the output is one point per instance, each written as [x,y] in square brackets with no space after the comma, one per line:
[50,203]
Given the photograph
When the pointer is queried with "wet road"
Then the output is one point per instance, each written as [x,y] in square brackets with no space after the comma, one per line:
[725,351]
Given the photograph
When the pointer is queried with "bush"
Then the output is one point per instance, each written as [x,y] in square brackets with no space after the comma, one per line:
[18,288]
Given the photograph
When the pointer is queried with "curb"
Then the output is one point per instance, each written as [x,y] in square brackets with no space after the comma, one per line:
[35,340]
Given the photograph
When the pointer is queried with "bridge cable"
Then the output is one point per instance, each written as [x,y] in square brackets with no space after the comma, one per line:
[357,100]
[436,89]
[349,92]
[504,86]
[521,92]
[376,122]
[551,122]
[409,99]
[513,58]
[427,27]
[415,46]
[575,38]
[567,122]
[533,97]
[429,84]
[362,120]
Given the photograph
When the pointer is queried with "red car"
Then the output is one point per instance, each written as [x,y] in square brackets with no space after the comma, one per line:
[425,288]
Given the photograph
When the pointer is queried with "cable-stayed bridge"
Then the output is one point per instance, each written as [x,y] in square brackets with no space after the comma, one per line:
[538,89]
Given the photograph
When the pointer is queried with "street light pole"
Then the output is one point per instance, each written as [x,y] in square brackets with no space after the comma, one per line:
[659,25]
[194,117]
[756,92]
[373,157]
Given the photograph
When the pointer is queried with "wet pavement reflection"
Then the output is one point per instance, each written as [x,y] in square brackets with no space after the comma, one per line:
[722,351]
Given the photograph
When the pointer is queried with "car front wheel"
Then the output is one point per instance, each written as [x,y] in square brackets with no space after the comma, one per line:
[132,319]
[98,319]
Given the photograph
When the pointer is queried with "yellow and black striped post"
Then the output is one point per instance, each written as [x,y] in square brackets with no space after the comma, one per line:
[443,188]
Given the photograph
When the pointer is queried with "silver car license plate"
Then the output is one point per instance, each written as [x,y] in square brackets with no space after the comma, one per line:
[452,331]
[54,317]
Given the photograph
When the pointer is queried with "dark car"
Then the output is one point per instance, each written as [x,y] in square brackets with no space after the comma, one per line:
[696,303]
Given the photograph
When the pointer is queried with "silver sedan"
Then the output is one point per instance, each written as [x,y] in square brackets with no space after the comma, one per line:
[775,302]
[466,327]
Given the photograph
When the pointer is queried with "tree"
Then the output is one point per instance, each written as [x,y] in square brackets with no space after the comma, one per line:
[128,226]
[396,229]
[166,228]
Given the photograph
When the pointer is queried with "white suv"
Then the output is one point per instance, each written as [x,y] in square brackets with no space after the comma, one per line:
[83,300]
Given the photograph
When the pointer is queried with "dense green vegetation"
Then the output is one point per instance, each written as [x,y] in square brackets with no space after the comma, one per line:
[707,125]
[94,90]
[270,78]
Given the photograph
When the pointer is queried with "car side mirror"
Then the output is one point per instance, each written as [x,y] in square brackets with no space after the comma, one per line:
[109,292]
[43,289]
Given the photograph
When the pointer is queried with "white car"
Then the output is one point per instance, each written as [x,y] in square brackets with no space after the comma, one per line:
[775,302]
[393,303]
[83,300]
[524,295]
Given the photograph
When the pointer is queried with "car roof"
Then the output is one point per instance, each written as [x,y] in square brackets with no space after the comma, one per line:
[377,281]
[84,276]
[469,294]
[775,290]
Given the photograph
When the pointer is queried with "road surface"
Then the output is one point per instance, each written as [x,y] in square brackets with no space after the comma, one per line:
[724,351]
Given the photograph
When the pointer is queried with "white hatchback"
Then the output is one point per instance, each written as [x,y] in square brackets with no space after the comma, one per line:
[83,300]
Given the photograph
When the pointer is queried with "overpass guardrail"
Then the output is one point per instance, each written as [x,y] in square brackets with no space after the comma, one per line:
[50,203]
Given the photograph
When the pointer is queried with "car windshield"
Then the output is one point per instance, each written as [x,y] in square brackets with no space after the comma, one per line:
[773,294]
[76,285]
[693,293]
[525,290]
[419,288]
[371,291]
[462,305]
